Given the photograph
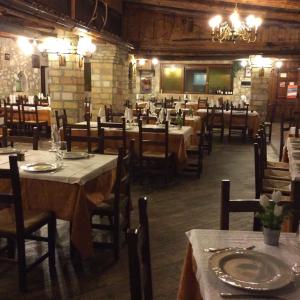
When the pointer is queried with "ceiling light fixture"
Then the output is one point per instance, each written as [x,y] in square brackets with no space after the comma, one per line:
[236,29]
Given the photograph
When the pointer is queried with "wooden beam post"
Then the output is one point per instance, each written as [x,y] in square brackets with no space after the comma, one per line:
[73,9]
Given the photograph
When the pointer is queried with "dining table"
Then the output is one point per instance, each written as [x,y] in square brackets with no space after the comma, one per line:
[71,191]
[253,119]
[179,138]
[199,282]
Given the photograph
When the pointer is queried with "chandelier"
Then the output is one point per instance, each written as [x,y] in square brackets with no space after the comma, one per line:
[236,29]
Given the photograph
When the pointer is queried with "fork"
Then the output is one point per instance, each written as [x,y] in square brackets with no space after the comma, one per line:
[227,248]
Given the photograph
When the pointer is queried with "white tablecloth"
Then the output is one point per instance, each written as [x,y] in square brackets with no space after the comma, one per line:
[77,171]
[210,287]
[293,150]
[227,112]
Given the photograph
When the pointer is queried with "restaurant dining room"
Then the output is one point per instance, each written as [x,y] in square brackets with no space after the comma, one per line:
[149,150]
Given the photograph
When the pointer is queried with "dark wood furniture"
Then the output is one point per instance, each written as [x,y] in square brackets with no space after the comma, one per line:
[158,160]
[111,115]
[271,113]
[114,133]
[238,205]
[61,118]
[139,257]
[24,224]
[238,122]
[87,109]
[202,103]
[217,121]
[8,139]
[118,203]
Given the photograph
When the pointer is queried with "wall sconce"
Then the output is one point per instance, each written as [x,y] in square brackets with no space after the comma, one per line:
[278,64]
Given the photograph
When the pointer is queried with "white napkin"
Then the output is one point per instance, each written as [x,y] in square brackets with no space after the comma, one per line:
[101,114]
[168,116]
[31,99]
[147,106]
[126,116]
[152,108]
[211,103]
[161,116]
[177,106]
[129,114]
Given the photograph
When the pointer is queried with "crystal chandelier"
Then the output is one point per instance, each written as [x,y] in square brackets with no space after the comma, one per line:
[236,29]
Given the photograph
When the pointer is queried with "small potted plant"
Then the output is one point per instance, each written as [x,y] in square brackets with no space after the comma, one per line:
[179,121]
[272,216]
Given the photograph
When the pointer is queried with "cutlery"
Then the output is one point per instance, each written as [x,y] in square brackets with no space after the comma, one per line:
[227,248]
[250,296]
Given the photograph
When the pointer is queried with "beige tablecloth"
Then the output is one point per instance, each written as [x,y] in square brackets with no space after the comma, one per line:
[198,282]
[70,194]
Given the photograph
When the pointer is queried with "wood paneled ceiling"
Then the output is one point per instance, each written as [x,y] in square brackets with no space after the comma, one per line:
[179,28]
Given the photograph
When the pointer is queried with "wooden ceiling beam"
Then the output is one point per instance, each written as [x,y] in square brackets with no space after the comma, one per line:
[217,7]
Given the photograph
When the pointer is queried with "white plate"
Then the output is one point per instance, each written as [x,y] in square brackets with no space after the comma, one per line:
[8,150]
[39,167]
[76,155]
[250,270]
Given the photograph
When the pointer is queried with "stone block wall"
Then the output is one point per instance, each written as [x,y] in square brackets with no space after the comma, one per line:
[17,62]
[66,87]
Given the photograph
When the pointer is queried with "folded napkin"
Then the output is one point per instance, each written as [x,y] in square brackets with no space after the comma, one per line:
[161,116]
[168,116]
[126,114]
[101,114]
[152,108]
[147,106]
[129,114]
[177,106]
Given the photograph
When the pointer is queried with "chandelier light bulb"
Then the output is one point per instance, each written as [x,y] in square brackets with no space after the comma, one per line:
[251,21]
[235,20]
[258,23]
[215,21]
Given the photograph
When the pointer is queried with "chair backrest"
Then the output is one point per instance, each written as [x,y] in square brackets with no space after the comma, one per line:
[9,138]
[87,109]
[12,113]
[169,103]
[285,124]
[202,103]
[13,198]
[115,132]
[210,115]
[139,257]
[271,111]
[30,112]
[239,205]
[111,115]
[239,115]
[61,119]
[159,138]
[258,169]
[83,135]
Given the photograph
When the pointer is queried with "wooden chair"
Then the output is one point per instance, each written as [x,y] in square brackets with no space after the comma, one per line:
[169,103]
[195,156]
[30,118]
[85,138]
[238,121]
[217,121]
[160,158]
[271,112]
[12,116]
[119,200]
[23,224]
[112,115]
[202,103]
[114,133]
[61,119]
[139,257]
[148,119]
[239,205]
[264,185]
[9,139]
[87,109]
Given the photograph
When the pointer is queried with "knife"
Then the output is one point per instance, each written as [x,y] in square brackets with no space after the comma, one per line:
[250,296]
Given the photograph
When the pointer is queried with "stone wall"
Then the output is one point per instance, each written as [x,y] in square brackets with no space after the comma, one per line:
[17,62]
[109,76]
[66,86]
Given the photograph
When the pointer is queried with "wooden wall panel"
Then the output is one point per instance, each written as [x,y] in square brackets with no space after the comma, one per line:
[168,34]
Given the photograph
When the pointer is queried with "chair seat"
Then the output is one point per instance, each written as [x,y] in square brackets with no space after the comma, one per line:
[34,122]
[277,174]
[31,219]
[277,165]
[155,155]
[269,185]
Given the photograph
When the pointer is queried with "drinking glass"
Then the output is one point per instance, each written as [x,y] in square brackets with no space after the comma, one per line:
[61,149]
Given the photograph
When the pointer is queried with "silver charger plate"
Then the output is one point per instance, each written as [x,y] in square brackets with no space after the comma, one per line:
[250,270]
[76,155]
[8,150]
[40,167]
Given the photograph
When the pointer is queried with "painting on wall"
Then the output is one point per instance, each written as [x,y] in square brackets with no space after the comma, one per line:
[146,83]
[247,72]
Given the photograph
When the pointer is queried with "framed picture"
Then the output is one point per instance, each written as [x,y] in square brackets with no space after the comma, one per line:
[7,56]
[146,83]
[35,61]
[247,72]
